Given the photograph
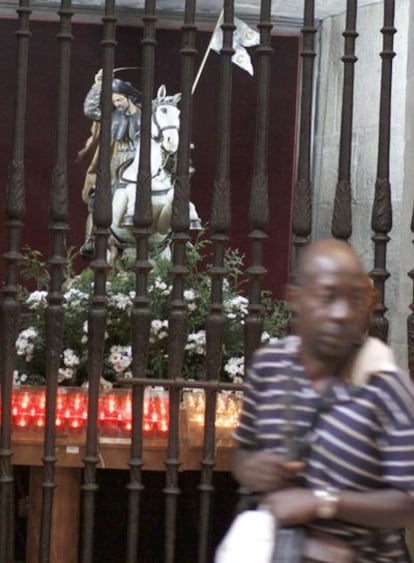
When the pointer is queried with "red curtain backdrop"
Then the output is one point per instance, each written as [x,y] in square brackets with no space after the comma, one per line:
[85,61]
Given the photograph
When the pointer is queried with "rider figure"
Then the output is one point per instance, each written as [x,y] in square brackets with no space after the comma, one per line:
[126,121]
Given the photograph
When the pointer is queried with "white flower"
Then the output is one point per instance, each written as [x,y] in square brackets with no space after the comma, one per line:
[120,358]
[189,294]
[29,333]
[236,306]
[160,284]
[196,342]
[37,299]
[160,287]
[19,378]
[84,338]
[120,301]
[234,367]
[64,374]
[265,337]
[158,330]
[70,359]
[25,344]
[74,298]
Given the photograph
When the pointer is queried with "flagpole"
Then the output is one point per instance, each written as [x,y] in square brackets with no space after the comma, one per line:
[203,62]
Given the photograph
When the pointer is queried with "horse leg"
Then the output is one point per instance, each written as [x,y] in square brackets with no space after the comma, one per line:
[88,247]
[162,213]
[160,246]
[163,217]
[112,252]
[195,221]
[121,238]
[128,220]
[119,205]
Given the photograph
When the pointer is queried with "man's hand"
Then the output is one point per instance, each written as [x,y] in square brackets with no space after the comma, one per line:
[98,77]
[263,471]
[291,507]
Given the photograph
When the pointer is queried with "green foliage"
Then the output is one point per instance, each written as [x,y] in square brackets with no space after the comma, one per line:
[77,290]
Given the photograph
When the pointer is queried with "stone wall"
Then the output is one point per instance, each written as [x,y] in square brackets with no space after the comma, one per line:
[365,146]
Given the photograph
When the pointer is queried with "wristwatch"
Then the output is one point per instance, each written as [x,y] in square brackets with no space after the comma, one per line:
[326,502]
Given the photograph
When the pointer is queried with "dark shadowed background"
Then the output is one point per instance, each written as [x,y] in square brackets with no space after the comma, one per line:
[85,61]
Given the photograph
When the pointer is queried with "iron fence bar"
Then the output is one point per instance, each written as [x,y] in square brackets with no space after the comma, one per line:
[410,319]
[259,192]
[141,311]
[54,315]
[302,202]
[171,489]
[381,219]
[10,305]
[342,211]
[135,485]
[178,314]
[215,322]
[102,217]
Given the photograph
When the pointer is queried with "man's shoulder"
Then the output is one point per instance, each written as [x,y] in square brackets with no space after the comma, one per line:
[373,357]
[277,348]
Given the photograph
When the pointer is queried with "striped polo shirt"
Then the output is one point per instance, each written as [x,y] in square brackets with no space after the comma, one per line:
[362,440]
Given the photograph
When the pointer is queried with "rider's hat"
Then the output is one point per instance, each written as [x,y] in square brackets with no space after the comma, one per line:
[126,89]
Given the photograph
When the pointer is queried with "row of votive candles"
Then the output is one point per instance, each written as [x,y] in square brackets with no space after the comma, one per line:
[114,410]
[228,407]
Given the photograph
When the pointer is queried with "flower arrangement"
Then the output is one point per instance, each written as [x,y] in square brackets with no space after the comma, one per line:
[77,292]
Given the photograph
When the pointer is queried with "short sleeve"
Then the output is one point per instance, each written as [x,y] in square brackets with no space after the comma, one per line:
[245,433]
[395,411]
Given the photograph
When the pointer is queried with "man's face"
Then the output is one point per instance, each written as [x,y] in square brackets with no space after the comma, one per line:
[120,102]
[332,310]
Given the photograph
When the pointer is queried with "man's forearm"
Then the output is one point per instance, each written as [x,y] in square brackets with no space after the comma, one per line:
[262,471]
[238,462]
[379,509]
[91,105]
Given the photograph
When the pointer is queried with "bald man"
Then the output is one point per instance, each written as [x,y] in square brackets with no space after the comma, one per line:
[326,448]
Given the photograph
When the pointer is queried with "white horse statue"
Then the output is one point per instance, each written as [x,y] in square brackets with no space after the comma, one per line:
[164,145]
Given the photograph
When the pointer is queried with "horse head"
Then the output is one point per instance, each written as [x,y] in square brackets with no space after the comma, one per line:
[166,119]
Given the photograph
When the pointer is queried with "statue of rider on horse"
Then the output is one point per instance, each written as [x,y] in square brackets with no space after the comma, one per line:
[125,150]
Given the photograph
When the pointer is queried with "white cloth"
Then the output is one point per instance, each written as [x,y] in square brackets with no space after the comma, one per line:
[250,538]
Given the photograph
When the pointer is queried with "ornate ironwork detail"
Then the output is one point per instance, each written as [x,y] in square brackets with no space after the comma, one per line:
[259,201]
[381,220]
[342,217]
[342,213]
[102,217]
[220,211]
[10,306]
[59,195]
[302,203]
[259,196]
[410,334]
[15,190]
[382,209]
[302,209]
[410,319]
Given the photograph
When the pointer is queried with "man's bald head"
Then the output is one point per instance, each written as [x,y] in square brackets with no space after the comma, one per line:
[332,254]
[330,300]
